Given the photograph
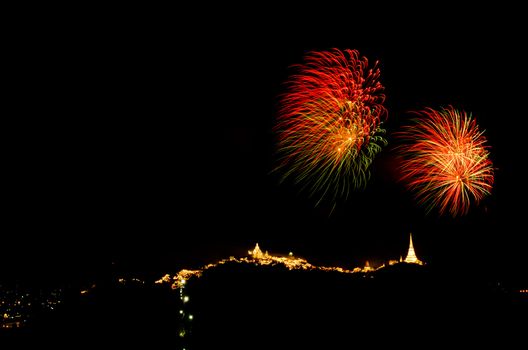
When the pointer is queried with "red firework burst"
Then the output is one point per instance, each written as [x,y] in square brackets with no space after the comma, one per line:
[446,160]
[329,122]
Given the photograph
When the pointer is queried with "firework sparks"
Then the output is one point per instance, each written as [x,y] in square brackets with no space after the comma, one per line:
[329,124]
[446,161]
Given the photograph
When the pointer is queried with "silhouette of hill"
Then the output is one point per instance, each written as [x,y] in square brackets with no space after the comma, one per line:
[269,306]
[241,306]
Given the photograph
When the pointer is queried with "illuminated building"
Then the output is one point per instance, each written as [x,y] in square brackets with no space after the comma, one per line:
[367,267]
[257,257]
[411,255]
[257,253]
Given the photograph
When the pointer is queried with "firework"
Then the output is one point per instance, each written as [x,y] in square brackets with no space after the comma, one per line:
[329,124]
[446,161]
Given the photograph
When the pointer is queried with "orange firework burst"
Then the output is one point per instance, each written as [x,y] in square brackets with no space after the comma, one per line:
[329,123]
[446,161]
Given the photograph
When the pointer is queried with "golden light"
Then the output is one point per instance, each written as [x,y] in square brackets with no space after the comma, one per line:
[411,255]
[256,256]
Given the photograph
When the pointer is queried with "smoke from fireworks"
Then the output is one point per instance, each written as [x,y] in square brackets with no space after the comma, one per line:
[446,161]
[329,123]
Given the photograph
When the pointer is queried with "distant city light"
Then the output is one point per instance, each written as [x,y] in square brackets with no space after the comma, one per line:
[191,317]
[185,299]
[16,307]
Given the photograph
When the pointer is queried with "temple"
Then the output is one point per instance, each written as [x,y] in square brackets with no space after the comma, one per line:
[411,255]
[257,253]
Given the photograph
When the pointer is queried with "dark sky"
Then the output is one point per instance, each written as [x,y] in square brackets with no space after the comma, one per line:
[150,142]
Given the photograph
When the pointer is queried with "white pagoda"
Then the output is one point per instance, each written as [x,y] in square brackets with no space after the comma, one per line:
[411,255]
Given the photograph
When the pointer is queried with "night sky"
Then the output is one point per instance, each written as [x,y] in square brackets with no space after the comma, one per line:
[150,143]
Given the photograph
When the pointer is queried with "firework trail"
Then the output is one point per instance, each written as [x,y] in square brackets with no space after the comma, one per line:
[329,123]
[445,160]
